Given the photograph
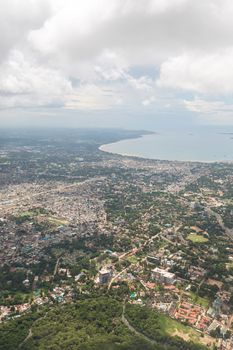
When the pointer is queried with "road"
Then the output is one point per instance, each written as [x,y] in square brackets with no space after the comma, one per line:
[26,339]
[133,330]
[30,334]
[130,252]
[228,231]
[115,277]
[56,267]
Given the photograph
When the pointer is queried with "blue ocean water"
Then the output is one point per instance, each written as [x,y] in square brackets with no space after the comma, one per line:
[198,145]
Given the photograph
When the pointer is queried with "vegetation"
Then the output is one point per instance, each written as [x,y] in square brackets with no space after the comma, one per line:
[159,327]
[197,238]
[92,323]
[199,300]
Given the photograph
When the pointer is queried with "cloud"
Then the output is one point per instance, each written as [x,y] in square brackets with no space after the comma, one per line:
[23,83]
[213,112]
[148,101]
[199,72]
[81,55]
[148,32]
[17,19]
[92,97]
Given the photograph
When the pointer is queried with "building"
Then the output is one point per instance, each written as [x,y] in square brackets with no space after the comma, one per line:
[26,283]
[217,306]
[153,260]
[105,275]
[163,276]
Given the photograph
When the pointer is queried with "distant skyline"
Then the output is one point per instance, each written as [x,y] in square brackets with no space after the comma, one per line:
[116,63]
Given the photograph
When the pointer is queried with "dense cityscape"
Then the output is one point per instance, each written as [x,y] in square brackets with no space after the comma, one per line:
[145,247]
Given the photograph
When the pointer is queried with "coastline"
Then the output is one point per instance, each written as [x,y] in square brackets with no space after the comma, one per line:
[139,136]
[123,154]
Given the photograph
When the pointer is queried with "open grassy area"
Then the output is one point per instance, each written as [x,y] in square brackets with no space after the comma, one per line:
[197,238]
[132,259]
[170,326]
[30,214]
[27,213]
[57,221]
[156,325]
[199,300]
[175,328]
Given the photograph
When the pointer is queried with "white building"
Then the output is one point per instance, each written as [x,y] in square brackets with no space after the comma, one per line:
[163,276]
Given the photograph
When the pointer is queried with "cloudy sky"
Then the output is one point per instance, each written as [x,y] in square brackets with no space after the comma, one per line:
[128,63]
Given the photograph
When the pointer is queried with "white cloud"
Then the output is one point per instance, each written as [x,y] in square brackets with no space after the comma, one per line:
[148,101]
[17,18]
[200,72]
[79,54]
[213,112]
[143,32]
[23,83]
[92,97]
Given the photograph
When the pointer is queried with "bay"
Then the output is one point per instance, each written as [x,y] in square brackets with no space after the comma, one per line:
[200,145]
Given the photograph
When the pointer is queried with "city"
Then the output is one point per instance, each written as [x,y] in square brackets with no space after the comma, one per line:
[77,222]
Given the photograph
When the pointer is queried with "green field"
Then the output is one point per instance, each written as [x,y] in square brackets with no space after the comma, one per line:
[199,300]
[57,221]
[132,259]
[197,238]
[173,327]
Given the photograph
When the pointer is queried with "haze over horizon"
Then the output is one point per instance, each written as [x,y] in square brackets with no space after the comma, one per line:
[145,65]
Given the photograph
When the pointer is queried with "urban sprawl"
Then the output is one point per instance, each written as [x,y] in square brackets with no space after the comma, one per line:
[76,221]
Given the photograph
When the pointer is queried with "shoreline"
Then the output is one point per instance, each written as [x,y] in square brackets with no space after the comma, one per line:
[101,148]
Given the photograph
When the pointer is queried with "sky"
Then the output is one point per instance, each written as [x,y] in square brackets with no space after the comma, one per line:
[116,63]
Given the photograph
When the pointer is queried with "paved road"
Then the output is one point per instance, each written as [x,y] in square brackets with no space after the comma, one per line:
[228,231]
[135,331]
[115,277]
[56,267]
[130,252]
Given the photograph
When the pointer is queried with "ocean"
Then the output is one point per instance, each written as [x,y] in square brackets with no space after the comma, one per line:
[201,145]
